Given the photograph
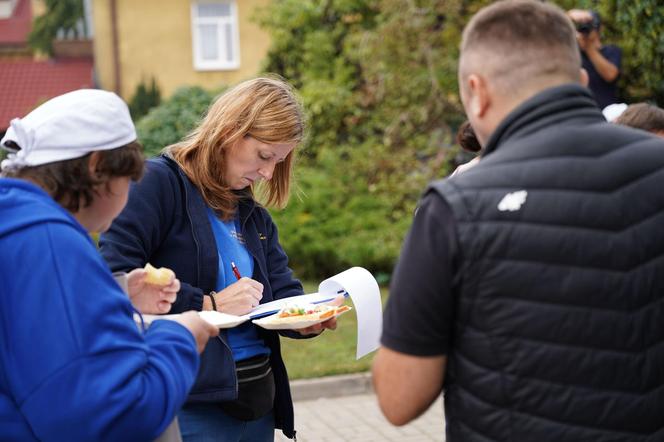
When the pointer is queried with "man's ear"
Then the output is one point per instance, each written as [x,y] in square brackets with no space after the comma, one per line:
[94,173]
[583,77]
[479,98]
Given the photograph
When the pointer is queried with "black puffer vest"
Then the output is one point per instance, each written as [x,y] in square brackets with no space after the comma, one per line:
[559,329]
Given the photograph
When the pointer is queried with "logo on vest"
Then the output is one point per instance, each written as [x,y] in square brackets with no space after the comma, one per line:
[512,201]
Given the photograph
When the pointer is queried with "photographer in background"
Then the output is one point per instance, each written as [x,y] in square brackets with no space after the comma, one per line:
[601,62]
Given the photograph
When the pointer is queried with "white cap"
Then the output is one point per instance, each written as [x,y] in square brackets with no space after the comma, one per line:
[68,126]
[613,111]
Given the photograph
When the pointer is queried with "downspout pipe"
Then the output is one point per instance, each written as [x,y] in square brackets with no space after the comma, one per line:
[115,41]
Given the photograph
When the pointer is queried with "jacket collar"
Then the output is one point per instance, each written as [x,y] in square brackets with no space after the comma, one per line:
[246,205]
[246,202]
[556,104]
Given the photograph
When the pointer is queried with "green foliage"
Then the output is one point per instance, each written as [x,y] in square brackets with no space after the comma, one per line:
[60,14]
[310,47]
[324,231]
[145,98]
[378,79]
[173,119]
[639,27]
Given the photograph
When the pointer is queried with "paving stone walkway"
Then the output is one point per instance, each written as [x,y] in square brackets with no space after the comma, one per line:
[357,418]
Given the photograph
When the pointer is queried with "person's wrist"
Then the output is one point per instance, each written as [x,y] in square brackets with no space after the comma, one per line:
[212,302]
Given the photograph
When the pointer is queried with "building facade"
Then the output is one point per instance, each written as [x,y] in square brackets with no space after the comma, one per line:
[207,43]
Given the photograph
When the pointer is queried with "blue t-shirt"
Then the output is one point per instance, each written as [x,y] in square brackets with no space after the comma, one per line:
[231,247]
[605,93]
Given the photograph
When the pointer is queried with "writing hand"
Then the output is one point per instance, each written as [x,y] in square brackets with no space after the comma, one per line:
[240,297]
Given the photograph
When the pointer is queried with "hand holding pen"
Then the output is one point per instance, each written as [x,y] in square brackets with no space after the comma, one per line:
[236,272]
[240,297]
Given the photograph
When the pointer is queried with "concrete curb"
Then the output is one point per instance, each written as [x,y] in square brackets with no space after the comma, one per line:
[331,386]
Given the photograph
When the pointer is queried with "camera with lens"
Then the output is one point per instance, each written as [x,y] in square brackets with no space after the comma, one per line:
[585,27]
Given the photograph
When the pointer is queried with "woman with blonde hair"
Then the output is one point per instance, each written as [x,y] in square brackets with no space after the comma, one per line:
[195,212]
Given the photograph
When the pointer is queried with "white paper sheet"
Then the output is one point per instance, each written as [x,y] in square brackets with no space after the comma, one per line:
[365,294]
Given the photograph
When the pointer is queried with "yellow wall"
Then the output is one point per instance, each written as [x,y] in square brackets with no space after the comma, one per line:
[155,39]
[38,7]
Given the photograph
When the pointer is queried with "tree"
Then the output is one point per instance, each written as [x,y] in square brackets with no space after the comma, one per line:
[378,79]
[60,15]
[145,98]
[379,83]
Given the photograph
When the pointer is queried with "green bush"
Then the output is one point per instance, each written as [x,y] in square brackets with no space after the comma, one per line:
[172,120]
[330,226]
[378,81]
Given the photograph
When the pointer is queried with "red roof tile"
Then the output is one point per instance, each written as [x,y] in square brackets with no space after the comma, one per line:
[15,29]
[24,84]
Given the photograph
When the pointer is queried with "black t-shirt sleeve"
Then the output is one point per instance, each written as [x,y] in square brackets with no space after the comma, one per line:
[613,54]
[419,312]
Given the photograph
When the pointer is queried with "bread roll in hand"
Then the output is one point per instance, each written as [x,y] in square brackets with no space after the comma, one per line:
[161,276]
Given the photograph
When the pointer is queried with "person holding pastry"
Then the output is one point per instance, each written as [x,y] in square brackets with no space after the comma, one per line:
[74,364]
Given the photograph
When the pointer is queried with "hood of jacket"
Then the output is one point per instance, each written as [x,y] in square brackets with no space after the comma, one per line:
[23,204]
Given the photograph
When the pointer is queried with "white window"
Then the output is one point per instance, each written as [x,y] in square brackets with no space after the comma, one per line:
[215,35]
[7,8]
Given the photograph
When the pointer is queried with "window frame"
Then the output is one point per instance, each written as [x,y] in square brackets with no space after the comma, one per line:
[221,63]
[7,11]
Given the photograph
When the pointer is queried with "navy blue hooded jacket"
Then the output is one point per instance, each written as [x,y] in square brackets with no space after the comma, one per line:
[165,223]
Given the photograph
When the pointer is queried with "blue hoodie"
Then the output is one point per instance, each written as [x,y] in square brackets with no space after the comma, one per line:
[73,364]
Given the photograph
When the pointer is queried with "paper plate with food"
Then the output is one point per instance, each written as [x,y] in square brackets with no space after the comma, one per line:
[295,317]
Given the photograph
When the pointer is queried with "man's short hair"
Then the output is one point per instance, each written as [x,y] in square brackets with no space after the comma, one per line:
[516,43]
[643,116]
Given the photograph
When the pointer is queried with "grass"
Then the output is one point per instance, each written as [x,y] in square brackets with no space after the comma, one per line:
[333,352]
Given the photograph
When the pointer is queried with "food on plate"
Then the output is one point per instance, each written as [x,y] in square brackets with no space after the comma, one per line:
[309,311]
[158,276]
[294,317]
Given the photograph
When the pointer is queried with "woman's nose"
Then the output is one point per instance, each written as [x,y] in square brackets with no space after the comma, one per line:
[267,171]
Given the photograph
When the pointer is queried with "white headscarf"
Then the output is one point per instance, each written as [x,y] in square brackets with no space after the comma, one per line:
[66,127]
